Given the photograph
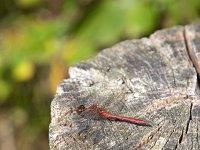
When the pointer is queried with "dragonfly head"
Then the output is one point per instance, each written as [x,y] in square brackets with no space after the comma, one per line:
[80,109]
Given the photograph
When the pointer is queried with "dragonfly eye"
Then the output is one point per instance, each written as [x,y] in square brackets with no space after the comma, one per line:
[80,109]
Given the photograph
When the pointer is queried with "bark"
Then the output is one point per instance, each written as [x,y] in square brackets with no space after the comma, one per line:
[153,79]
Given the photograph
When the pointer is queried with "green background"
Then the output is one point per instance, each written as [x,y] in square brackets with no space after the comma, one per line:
[40,39]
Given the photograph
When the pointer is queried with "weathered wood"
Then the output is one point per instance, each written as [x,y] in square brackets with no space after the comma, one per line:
[192,35]
[151,78]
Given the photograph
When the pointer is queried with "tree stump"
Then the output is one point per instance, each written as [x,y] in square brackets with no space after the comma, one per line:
[154,79]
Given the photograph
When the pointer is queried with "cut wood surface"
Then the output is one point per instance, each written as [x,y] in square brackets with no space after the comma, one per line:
[153,79]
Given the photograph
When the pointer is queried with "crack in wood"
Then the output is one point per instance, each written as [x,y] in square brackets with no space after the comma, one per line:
[147,139]
[181,137]
[160,60]
[187,127]
[190,51]
[189,119]
[197,134]
[168,138]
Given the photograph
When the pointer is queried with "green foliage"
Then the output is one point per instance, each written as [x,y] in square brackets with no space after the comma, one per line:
[28,3]
[39,39]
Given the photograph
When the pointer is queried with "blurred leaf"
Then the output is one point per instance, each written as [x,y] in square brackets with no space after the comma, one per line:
[28,3]
[179,12]
[77,49]
[24,71]
[141,18]
[104,25]
[5,90]
[32,38]
[28,39]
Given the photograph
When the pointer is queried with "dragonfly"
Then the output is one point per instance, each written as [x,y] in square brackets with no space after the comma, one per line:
[96,111]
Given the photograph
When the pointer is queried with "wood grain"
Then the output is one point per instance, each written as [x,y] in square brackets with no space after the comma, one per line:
[154,79]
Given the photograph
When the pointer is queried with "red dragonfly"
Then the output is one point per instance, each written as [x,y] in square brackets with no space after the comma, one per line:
[95,111]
